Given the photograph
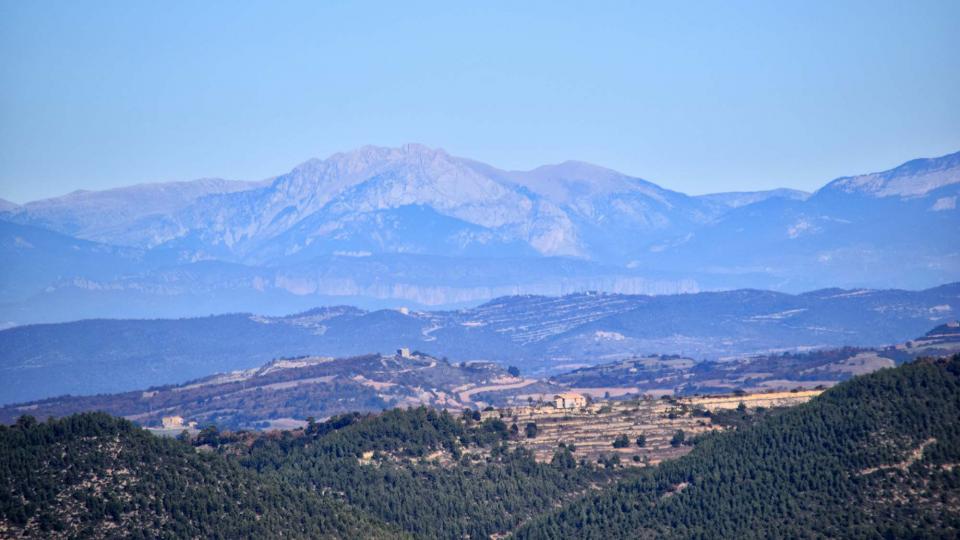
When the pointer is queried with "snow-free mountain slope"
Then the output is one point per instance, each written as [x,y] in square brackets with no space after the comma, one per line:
[7,206]
[391,226]
[572,209]
[736,199]
[34,259]
[107,216]
[914,178]
[846,231]
[369,180]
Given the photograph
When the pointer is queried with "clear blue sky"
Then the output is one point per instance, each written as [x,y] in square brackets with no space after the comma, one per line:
[712,97]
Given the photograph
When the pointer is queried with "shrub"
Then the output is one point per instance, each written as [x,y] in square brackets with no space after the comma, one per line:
[678,438]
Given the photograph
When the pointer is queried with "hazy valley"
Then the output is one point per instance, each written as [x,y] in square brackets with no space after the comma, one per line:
[541,335]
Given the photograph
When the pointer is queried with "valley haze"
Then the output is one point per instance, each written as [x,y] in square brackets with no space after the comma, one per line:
[542,335]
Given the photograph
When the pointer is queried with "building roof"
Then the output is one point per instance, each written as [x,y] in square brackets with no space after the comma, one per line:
[569,395]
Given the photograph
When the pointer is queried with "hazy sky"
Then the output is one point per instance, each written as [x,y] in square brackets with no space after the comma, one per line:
[717,96]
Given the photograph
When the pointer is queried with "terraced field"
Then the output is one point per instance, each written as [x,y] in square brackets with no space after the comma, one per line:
[593,429]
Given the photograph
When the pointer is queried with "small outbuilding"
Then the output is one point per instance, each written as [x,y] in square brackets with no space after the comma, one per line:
[172,422]
[569,400]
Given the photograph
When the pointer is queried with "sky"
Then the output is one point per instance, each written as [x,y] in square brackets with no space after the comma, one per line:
[703,97]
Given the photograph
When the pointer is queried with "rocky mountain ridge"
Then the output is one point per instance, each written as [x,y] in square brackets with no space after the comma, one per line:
[393,226]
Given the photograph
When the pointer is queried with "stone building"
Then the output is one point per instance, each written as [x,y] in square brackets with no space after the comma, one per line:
[569,400]
[171,422]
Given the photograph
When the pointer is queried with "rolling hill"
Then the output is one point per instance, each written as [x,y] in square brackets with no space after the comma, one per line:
[874,457]
[677,375]
[539,334]
[287,392]
[95,476]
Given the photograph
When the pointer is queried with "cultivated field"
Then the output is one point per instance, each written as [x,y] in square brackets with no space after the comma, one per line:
[593,429]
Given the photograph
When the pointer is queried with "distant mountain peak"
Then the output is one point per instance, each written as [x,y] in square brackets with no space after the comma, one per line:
[347,168]
[736,199]
[914,178]
[370,154]
[575,182]
[8,206]
[575,170]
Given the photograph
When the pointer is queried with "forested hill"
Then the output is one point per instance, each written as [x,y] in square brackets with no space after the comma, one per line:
[404,473]
[878,456]
[95,476]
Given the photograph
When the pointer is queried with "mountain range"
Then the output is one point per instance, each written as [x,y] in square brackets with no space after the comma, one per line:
[385,227]
[539,334]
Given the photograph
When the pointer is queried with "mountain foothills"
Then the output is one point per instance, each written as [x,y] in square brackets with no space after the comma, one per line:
[287,392]
[93,476]
[352,477]
[877,456]
[417,226]
[541,335]
[676,375]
